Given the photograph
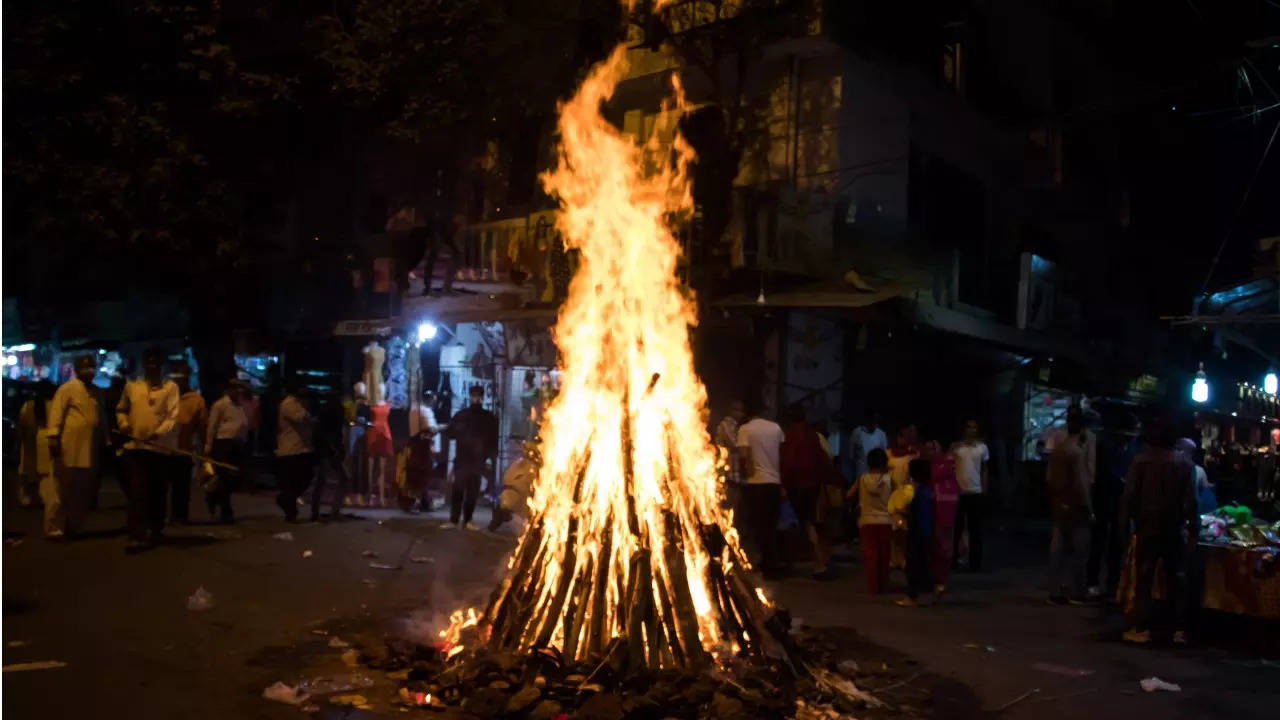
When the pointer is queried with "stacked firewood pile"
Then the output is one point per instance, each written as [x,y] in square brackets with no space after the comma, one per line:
[543,685]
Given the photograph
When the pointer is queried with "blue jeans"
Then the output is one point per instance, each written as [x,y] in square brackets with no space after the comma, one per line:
[1068,558]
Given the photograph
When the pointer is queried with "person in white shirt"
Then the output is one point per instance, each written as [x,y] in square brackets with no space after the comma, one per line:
[294,460]
[148,416]
[759,451]
[73,427]
[225,442]
[863,440]
[971,460]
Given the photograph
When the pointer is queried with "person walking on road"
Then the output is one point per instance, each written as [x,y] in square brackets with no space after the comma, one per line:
[971,460]
[476,432]
[224,441]
[759,457]
[34,463]
[295,461]
[73,441]
[148,417]
[193,420]
[874,521]
[946,498]
[1071,508]
[1116,448]
[805,468]
[920,529]
[1160,500]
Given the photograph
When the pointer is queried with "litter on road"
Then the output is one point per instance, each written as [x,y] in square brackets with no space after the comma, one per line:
[337,642]
[1153,684]
[383,566]
[41,665]
[368,553]
[421,559]
[201,599]
[286,536]
[282,693]
[306,554]
[1061,669]
[329,684]
[16,643]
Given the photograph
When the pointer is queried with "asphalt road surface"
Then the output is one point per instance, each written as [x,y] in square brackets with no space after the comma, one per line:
[133,649]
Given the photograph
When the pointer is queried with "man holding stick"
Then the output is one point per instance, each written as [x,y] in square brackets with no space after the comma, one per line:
[148,415]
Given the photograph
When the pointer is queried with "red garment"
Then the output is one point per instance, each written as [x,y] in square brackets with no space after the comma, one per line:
[379,435]
[804,463]
[876,540]
[946,499]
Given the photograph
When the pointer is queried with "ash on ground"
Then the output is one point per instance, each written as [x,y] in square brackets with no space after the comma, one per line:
[842,677]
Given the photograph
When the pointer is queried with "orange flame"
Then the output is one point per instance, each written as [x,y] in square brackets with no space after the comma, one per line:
[628,469]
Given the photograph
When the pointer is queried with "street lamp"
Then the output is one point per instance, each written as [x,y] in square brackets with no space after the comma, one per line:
[1200,387]
[426,331]
[1269,382]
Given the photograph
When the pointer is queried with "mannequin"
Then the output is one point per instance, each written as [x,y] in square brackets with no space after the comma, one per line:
[373,358]
[379,448]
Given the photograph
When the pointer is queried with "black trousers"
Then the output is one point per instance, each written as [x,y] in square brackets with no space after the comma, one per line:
[969,513]
[148,474]
[330,463]
[466,489]
[230,451]
[294,474]
[1148,551]
[763,505]
[1105,547]
[180,496]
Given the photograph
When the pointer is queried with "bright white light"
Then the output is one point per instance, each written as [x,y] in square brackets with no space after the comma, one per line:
[1269,383]
[10,359]
[25,347]
[1200,387]
[426,331]
[1233,413]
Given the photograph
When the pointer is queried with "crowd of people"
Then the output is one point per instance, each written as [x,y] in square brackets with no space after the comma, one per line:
[920,505]
[158,437]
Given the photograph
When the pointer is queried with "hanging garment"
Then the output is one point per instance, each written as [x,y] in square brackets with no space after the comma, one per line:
[379,435]
[397,385]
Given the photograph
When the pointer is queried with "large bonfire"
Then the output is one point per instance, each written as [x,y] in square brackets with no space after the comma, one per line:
[628,548]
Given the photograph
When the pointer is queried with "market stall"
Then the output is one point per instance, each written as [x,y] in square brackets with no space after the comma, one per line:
[1235,566]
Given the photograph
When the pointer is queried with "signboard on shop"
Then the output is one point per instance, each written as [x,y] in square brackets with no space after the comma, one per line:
[381,328]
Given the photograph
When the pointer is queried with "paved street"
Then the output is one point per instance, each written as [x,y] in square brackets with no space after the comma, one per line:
[133,649]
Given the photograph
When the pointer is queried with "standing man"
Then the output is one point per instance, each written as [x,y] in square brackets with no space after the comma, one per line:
[293,450]
[727,438]
[865,438]
[224,441]
[1160,499]
[971,460]
[73,440]
[806,468]
[759,454]
[1071,508]
[193,418]
[429,424]
[1116,449]
[476,432]
[148,416]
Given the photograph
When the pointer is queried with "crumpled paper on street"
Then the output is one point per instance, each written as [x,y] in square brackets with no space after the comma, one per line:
[282,693]
[1153,684]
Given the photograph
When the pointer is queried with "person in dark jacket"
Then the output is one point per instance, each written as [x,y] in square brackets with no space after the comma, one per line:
[1116,449]
[1160,500]
[919,531]
[476,432]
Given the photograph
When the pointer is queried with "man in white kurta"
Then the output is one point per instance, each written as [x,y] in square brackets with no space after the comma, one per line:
[73,425]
